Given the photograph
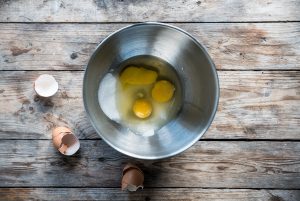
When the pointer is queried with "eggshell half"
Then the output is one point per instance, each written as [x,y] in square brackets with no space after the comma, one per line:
[45,85]
[65,141]
[133,178]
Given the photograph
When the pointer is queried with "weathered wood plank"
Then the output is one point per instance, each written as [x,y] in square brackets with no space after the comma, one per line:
[153,10]
[147,194]
[68,46]
[213,164]
[253,105]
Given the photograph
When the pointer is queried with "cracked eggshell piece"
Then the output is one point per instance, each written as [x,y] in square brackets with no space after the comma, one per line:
[133,178]
[45,85]
[65,141]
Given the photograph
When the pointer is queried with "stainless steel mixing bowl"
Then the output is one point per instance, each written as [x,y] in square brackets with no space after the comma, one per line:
[199,82]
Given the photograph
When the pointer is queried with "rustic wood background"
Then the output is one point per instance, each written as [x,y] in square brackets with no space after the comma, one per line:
[252,150]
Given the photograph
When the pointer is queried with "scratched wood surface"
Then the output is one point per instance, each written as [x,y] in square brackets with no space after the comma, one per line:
[237,46]
[152,10]
[251,152]
[253,105]
[208,164]
[148,194]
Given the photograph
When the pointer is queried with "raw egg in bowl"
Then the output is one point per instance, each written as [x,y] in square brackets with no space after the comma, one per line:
[150,90]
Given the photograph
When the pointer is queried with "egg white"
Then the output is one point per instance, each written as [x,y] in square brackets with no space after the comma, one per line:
[116,102]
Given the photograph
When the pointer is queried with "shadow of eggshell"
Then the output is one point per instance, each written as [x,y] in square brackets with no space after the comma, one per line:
[133,178]
[65,141]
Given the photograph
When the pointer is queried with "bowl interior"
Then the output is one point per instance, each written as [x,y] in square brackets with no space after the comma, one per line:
[198,78]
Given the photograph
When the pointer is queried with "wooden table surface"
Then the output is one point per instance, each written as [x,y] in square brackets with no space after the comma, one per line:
[251,151]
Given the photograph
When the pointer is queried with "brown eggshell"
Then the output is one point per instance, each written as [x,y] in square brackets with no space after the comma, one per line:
[133,178]
[65,141]
[57,135]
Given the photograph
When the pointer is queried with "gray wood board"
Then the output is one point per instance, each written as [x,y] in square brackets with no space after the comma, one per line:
[147,194]
[152,10]
[209,164]
[238,46]
[253,105]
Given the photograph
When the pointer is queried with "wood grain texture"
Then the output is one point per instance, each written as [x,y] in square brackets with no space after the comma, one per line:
[213,164]
[153,10]
[253,105]
[249,46]
[40,36]
[147,194]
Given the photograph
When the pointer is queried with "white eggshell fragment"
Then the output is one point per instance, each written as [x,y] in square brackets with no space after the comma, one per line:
[65,141]
[45,85]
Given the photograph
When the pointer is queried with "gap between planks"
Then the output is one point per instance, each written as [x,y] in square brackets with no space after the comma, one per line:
[173,22]
[149,188]
[204,140]
[228,70]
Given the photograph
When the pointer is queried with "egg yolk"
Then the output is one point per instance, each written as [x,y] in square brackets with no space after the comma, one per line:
[142,108]
[163,91]
[138,76]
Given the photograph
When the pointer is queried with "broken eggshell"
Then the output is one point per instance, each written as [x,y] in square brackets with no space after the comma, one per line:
[65,141]
[133,178]
[45,85]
